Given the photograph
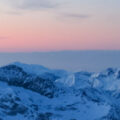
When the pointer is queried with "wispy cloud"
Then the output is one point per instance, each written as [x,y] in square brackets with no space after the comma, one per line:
[37,4]
[30,4]
[74,15]
[13,12]
[18,7]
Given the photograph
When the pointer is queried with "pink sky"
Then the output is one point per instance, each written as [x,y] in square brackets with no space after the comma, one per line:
[62,28]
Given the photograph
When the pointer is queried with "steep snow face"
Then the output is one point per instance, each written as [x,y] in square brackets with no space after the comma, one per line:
[108,79]
[67,80]
[76,80]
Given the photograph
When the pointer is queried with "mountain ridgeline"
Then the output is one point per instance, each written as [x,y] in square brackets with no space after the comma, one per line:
[34,92]
[16,76]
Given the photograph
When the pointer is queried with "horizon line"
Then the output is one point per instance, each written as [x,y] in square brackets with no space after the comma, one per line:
[54,51]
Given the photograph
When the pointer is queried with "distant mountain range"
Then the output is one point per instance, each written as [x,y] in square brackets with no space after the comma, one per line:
[87,60]
[34,92]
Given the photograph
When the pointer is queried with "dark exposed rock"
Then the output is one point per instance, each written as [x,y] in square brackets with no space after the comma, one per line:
[44,116]
[15,75]
[10,105]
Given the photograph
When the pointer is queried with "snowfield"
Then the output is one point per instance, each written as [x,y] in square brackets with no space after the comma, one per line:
[34,92]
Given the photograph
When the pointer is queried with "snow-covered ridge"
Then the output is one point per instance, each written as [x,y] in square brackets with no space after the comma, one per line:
[34,92]
[39,69]
[108,79]
[15,75]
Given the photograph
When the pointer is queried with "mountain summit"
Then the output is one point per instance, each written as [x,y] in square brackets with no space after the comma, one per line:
[34,92]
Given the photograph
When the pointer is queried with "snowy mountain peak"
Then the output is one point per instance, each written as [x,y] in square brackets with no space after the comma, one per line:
[32,68]
[32,92]
[41,70]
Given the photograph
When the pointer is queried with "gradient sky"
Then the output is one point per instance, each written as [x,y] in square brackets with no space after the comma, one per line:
[51,25]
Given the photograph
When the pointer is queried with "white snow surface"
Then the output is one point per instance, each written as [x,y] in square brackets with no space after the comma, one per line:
[78,96]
